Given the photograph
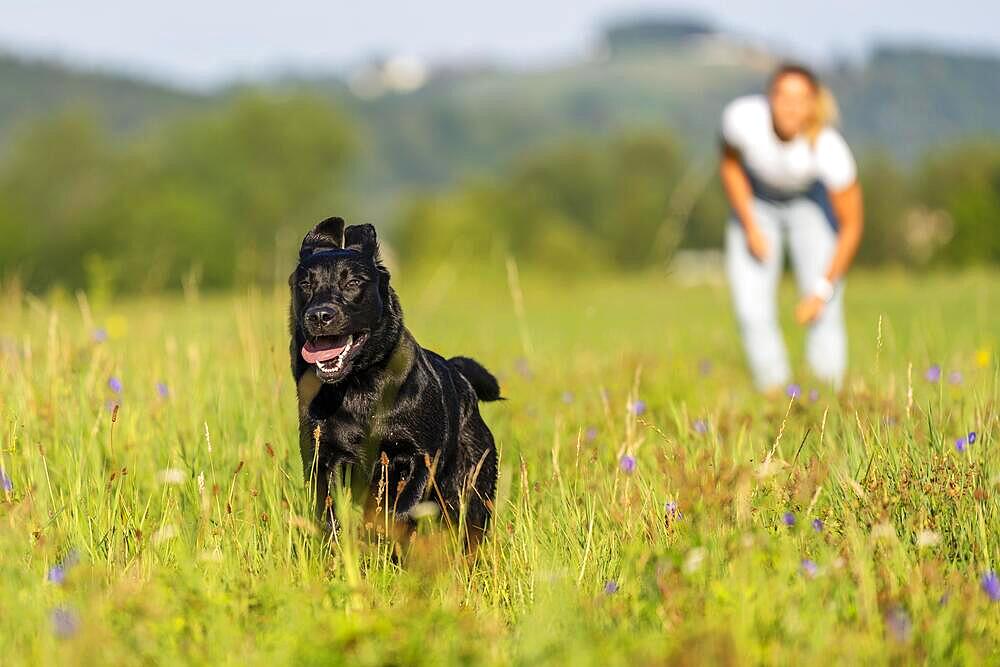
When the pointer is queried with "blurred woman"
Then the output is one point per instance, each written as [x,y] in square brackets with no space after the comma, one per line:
[790,179]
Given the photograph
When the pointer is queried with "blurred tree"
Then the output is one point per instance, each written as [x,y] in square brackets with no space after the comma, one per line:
[217,190]
[576,206]
[886,197]
[58,174]
[708,218]
[963,182]
[211,194]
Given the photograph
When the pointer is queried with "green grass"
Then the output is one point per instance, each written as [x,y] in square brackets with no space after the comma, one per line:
[228,570]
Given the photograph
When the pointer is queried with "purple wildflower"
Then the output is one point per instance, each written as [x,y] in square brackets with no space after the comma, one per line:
[788,519]
[809,568]
[637,407]
[704,367]
[700,426]
[567,397]
[961,443]
[933,373]
[590,434]
[817,525]
[99,335]
[57,574]
[162,389]
[897,621]
[672,512]
[991,585]
[610,587]
[64,622]
[6,483]
[115,384]
[627,464]
[523,368]
[955,377]
[972,437]
[793,390]
[814,395]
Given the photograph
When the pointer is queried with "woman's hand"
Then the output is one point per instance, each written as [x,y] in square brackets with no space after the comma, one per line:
[757,242]
[809,309]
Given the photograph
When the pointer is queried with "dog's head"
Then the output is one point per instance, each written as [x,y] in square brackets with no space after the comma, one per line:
[343,311]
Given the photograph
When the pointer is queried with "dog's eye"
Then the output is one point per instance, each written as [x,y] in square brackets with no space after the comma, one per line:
[353,283]
[305,285]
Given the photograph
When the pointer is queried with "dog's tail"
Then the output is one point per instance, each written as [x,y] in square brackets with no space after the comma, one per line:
[486,386]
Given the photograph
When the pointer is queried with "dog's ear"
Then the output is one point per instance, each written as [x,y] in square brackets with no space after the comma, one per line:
[363,239]
[327,235]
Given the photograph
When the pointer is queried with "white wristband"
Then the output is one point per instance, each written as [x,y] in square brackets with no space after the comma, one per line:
[823,289]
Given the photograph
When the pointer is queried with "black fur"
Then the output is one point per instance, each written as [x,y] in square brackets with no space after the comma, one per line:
[390,408]
[486,386]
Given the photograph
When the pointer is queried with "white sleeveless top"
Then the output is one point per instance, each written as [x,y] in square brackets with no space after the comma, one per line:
[785,166]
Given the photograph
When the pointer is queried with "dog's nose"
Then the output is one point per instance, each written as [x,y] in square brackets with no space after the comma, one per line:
[320,316]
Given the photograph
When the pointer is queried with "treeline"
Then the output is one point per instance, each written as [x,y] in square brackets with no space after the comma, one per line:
[208,198]
[221,198]
[631,201]
[578,206]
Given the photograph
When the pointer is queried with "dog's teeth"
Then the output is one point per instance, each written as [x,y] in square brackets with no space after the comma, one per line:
[337,363]
[347,348]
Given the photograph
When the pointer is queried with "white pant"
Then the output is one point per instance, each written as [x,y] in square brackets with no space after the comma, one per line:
[754,284]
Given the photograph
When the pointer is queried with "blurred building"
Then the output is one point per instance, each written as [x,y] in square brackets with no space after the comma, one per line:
[654,33]
[692,37]
[397,74]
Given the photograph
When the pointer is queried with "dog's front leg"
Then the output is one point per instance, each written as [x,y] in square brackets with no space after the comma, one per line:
[411,488]
[329,485]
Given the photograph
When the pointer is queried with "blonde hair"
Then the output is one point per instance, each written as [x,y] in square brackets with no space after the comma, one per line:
[826,114]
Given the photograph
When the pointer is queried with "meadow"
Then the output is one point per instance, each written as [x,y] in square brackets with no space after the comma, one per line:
[652,508]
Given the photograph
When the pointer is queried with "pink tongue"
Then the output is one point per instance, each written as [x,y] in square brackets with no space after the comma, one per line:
[314,355]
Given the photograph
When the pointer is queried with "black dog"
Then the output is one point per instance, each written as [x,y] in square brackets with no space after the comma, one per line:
[401,423]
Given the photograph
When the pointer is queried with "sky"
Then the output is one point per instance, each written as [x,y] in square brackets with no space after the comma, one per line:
[201,43]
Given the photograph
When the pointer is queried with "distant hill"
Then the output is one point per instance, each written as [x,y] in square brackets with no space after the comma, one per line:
[902,101]
[30,88]
[460,121]
[907,99]
[467,124]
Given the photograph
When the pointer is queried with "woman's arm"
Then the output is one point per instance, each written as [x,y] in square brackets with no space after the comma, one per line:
[740,196]
[850,223]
